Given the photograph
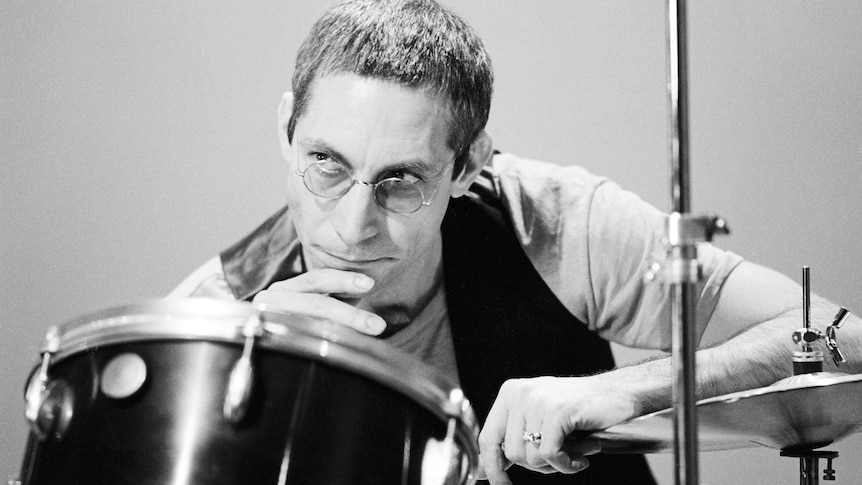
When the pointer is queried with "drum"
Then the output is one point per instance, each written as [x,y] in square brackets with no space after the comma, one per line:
[200,391]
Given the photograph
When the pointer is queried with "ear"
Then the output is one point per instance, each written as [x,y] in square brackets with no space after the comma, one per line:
[285,109]
[481,151]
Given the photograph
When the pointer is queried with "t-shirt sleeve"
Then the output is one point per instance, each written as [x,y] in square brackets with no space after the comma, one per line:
[593,243]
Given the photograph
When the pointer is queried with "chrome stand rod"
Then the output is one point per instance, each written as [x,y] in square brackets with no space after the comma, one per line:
[809,473]
[678,100]
[683,289]
[685,411]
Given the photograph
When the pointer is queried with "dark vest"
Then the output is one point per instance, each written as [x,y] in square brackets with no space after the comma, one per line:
[506,322]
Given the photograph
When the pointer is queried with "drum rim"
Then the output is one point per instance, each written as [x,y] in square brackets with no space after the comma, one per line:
[326,342]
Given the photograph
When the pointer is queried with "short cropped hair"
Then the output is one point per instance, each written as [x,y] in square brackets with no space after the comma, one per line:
[415,43]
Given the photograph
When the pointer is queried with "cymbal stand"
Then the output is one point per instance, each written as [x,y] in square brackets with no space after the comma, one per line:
[681,269]
[809,473]
[810,361]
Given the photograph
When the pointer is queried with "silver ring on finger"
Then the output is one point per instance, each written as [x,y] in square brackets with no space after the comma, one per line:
[535,438]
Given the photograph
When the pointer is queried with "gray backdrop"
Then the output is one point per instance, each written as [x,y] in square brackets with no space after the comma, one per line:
[138,139]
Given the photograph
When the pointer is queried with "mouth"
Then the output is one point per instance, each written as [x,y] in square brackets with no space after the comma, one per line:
[347,261]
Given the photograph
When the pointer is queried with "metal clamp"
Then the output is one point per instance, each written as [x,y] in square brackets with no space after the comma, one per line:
[682,233]
[806,336]
[829,472]
[831,330]
[686,229]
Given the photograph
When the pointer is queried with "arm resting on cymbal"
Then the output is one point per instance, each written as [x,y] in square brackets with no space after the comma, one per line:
[747,344]
[748,341]
[766,307]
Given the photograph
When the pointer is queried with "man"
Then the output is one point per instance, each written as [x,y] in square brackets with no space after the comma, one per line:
[403,222]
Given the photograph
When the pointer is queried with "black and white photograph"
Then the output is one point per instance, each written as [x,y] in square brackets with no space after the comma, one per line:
[431,242]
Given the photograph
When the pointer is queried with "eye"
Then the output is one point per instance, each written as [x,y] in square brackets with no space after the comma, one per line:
[405,176]
[325,165]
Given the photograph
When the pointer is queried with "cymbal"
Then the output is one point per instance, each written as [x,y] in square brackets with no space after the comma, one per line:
[805,411]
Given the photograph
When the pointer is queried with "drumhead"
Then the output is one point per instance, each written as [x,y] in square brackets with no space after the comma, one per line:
[223,321]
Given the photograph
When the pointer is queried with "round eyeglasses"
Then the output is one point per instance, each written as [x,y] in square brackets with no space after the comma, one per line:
[329,179]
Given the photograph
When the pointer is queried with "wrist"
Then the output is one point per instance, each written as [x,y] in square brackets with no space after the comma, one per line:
[647,385]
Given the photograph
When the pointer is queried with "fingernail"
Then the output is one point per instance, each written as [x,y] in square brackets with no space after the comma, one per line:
[375,324]
[363,282]
[580,464]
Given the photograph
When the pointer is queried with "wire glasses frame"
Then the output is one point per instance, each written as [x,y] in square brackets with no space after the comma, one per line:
[392,194]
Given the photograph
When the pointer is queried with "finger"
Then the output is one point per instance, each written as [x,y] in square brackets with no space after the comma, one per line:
[583,446]
[564,461]
[515,449]
[492,461]
[546,469]
[323,307]
[566,456]
[480,469]
[329,281]
[533,449]
[494,469]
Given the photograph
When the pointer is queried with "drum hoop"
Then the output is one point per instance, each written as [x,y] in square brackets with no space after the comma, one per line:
[190,319]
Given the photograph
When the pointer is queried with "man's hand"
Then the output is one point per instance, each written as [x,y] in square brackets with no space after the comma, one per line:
[322,293]
[556,407]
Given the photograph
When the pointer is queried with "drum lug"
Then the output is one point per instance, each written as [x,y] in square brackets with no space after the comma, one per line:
[37,388]
[241,379]
[55,414]
[458,408]
[442,463]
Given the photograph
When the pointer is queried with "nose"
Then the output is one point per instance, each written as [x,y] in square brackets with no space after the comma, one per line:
[356,216]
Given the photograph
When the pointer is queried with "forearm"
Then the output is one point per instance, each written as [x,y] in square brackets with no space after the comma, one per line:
[764,354]
[755,358]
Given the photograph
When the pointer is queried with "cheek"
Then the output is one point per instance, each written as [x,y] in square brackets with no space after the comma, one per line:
[295,194]
[303,210]
[414,235]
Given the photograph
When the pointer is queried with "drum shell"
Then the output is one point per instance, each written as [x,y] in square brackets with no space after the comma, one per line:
[309,421]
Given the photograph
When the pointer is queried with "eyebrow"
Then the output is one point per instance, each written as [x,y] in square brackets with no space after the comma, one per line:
[417,165]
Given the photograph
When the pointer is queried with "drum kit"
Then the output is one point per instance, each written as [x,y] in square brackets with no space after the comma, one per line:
[209,391]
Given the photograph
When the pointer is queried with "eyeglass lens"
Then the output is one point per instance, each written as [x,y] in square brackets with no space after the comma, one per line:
[332,181]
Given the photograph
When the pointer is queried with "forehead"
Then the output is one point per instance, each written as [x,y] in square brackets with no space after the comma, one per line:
[373,119]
